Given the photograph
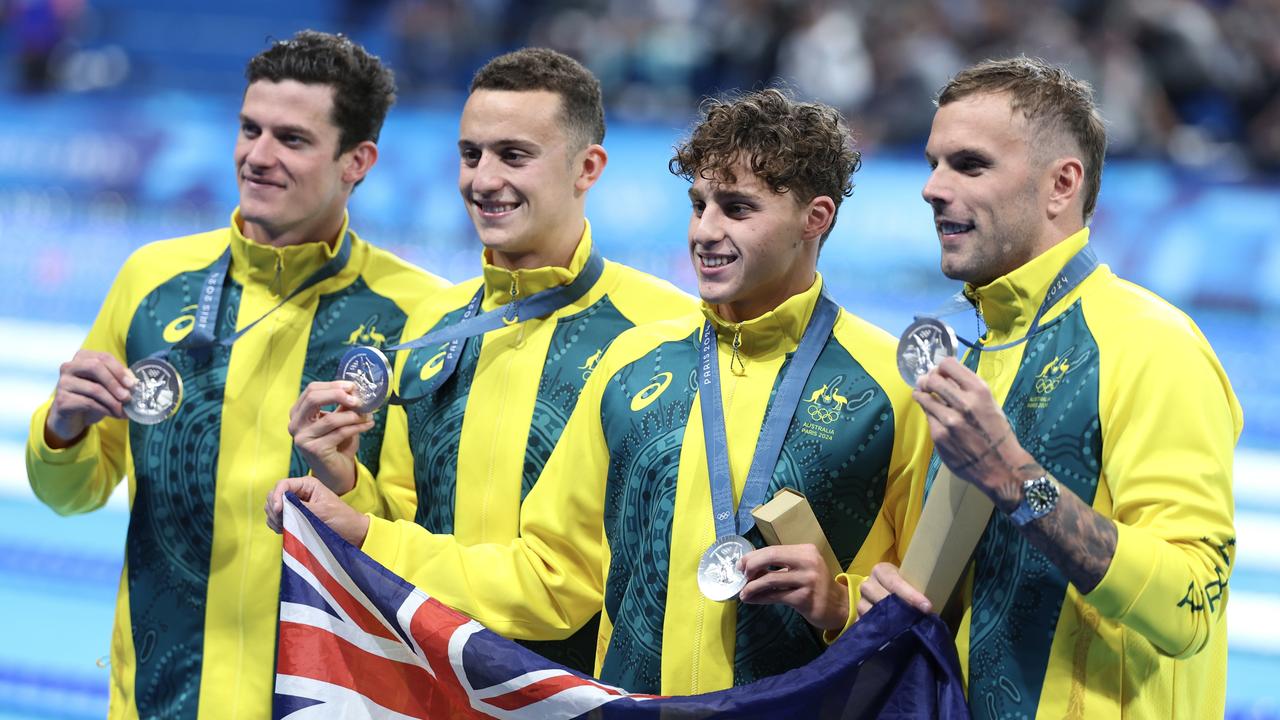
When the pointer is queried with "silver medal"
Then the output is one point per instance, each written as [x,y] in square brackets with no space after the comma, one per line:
[924,344]
[718,575]
[158,393]
[368,369]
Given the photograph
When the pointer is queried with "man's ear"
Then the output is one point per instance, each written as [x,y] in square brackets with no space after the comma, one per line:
[590,165]
[1067,176]
[819,216]
[358,161]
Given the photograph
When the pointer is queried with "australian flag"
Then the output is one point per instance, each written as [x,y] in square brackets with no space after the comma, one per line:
[357,641]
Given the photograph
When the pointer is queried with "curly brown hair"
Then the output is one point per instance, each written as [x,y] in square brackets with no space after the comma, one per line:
[793,146]
[363,88]
[1053,102]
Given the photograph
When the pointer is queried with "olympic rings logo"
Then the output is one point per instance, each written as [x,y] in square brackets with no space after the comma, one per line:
[823,414]
[1045,385]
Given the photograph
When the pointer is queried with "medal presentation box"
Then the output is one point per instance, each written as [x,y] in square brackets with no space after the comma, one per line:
[955,515]
[788,519]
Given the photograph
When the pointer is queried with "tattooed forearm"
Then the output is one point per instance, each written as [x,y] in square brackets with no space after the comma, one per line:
[1077,539]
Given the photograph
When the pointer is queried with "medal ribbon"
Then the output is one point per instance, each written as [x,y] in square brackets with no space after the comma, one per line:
[470,325]
[772,433]
[1079,267]
[201,336]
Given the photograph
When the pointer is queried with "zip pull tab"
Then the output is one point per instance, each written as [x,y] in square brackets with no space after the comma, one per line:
[512,315]
[275,281]
[736,365]
[982,321]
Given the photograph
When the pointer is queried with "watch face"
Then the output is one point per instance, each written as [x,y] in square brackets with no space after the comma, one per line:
[1041,494]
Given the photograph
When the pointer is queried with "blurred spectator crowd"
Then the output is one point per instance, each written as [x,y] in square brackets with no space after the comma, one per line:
[1197,81]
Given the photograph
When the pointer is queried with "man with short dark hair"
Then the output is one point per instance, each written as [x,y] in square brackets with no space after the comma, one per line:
[638,513]
[470,439]
[178,349]
[1093,414]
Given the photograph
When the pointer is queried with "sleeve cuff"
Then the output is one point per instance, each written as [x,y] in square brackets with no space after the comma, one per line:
[53,456]
[363,496]
[853,583]
[382,542]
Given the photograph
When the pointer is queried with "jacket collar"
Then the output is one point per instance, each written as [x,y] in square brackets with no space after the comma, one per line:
[1009,302]
[778,330]
[281,269]
[501,286]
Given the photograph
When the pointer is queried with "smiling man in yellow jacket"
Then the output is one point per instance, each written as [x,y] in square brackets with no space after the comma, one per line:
[1093,414]
[639,489]
[472,436]
[196,611]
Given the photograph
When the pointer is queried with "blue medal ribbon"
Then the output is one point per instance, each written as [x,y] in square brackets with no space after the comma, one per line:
[470,325]
[1074,272]
[772,432]
[201,338]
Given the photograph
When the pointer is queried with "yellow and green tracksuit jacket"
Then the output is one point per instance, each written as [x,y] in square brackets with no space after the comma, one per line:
[494,422]
[622,512]
[1123,401]
[195,621]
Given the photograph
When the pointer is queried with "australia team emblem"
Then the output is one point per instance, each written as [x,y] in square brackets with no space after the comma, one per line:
[1052,375]
[825,405]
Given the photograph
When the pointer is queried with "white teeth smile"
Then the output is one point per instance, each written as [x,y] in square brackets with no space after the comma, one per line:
[950,228]
[495,208]
[714,262]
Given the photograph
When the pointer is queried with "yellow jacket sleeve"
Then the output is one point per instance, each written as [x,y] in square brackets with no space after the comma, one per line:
[903,499]
[81,478]
[1170,422]
[391,494]
[544,584]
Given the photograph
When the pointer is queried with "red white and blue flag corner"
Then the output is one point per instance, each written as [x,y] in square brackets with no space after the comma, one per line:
[357,641]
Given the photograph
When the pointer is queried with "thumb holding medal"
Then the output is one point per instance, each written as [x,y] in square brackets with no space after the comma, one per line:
[328,439]
[969,429]
[91,386]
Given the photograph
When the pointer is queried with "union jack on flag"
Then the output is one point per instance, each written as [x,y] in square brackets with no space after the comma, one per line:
[358,641]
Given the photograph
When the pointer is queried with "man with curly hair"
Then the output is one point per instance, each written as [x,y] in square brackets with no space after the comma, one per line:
[635,511]
[196,611]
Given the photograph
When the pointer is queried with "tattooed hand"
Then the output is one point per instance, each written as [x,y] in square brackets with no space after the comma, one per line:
[972,434]
[975,440]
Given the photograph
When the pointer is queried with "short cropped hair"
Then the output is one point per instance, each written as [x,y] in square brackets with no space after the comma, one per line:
[803,148]
[533,69]
[1052,101]
[363,88]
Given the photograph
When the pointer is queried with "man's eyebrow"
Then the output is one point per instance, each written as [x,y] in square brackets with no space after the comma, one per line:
[973,154]
[736,196]
[965,153]
[291,130]
[500,142]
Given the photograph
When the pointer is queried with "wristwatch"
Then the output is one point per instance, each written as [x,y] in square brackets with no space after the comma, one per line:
[1039,498]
